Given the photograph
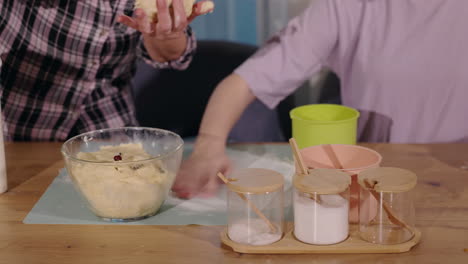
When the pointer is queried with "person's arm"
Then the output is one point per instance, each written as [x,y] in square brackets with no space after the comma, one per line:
[227,103]
[198,174]
[272,73]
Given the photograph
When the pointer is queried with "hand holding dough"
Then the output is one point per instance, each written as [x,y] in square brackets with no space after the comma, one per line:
[151,10]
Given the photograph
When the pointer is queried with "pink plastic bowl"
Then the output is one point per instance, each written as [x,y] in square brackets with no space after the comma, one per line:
[353,160]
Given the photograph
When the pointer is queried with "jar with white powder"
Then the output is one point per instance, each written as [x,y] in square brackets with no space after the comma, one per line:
[321,206]
[255,206]
[394,221]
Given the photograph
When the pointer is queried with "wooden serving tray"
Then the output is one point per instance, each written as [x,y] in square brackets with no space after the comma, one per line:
[290,245]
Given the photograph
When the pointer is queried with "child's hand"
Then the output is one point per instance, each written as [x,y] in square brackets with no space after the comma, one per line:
[197,175]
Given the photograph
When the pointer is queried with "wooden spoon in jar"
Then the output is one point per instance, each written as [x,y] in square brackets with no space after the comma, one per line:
[250,204]
[302,167]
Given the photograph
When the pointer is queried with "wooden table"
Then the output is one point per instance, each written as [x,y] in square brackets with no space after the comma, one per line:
[441,204]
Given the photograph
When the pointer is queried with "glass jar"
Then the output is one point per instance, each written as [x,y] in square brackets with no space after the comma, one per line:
[255,204]
[321,206]
[3,175]
[392,222]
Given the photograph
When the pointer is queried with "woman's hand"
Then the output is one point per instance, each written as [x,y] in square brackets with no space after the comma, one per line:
[165,38]
[197,175]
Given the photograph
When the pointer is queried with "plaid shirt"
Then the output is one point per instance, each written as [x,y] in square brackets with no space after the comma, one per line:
[67,66]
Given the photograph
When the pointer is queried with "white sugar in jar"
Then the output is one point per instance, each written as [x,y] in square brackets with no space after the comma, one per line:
[321,207]
[321,223]
[253,232]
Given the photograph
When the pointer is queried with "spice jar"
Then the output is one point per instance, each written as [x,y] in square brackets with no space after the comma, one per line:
[394,221]
[321,206]
[255,206]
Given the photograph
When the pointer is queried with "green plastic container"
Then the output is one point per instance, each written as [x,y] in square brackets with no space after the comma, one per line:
[324,124]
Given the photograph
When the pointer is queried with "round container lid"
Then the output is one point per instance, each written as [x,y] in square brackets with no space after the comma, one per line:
[388,179]
[322,181]
[253,180]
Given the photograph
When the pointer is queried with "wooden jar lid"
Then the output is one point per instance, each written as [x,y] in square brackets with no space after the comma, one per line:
[322,181]
[255,181]
[388,179]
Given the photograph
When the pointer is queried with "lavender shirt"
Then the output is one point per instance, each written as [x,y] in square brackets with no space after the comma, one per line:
[402,63]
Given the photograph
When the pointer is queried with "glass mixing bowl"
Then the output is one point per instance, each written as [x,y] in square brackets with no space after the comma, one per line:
[124,174]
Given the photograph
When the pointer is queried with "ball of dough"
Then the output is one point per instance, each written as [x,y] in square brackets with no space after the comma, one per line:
[207,6]
[150,8]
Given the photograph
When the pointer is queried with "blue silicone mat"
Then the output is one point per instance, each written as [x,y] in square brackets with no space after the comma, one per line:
[61,204]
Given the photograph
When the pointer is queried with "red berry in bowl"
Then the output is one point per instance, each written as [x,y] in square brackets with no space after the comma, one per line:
[118,157]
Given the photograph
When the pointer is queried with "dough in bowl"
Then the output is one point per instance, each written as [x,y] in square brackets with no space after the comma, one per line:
[131,186]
